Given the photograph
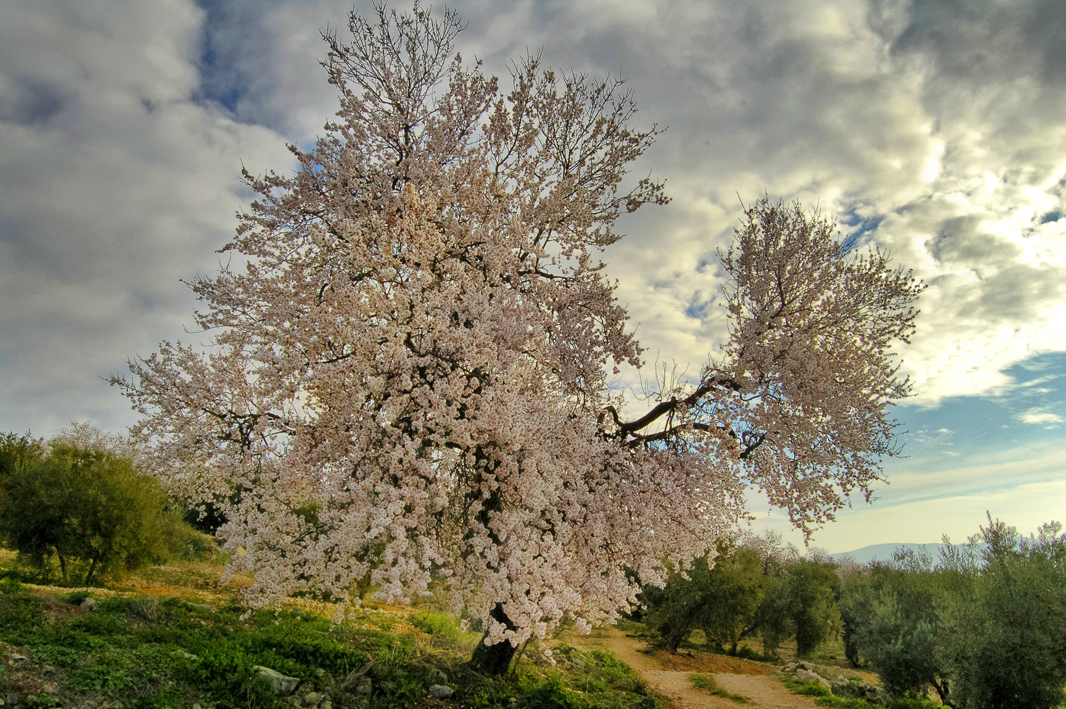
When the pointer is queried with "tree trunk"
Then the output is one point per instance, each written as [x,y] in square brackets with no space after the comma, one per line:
[92,570]
[672,635]
[494,660]
[62,567]
[942,689]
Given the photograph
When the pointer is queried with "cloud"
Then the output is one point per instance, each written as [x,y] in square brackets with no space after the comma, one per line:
[845,109]
[1039,416]
[931,130]
[114,185]
[1024,486]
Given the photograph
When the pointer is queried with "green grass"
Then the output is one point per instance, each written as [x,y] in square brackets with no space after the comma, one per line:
[707,684]
[162,652]
[823,697]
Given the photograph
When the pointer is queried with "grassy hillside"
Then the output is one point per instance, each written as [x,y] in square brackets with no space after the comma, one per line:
[171,637]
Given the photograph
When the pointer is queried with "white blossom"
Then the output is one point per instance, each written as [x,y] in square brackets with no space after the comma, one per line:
[408,379]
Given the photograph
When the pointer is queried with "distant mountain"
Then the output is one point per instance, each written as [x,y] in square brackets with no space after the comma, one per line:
[883,552]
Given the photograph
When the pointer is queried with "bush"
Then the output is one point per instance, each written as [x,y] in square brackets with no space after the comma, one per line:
[719,599]
[801,603]
[986,627]
[891,620]
[18,451]
[83,507]
[1007,628]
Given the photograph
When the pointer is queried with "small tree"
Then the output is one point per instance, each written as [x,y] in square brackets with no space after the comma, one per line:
[801,603]
[86,506]
[717,595]
[1005,630]
[421,341]
[891,620]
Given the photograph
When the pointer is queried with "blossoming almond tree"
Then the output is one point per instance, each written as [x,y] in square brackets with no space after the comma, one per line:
[407,381]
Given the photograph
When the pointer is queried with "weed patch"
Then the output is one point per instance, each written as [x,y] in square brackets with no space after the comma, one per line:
[707,684]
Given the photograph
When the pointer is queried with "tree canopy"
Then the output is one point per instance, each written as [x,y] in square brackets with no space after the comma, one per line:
[421,337]
[82,505]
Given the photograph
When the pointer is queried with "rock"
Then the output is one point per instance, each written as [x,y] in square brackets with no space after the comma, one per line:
[365,687]
[808,676]
[804,666]
[326,704]
[15,657]
[312,699]
[440,691]
[196,706]
[88,605]
[280,683]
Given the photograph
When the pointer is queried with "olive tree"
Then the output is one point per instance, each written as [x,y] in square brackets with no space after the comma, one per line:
[420,342]
[1004,626]
[891,620]
[82,506]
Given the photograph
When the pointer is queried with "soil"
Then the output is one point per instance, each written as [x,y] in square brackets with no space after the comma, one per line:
[669,674]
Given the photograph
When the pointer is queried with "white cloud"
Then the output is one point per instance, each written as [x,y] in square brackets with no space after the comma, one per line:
[114,184]
[1023,486]
[1039,416]
[940,136]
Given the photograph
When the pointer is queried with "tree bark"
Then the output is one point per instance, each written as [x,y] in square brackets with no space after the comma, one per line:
[62,566]
[92,570]
[494,660]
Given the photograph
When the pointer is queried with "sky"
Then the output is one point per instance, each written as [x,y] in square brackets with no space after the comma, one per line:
[935,129]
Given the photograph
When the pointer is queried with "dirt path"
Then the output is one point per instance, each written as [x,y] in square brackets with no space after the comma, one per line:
[762,689]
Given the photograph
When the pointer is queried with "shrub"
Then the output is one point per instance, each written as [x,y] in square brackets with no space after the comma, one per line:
[17,451]
[801,603]
[1007,628]
[86,507]
[891,620]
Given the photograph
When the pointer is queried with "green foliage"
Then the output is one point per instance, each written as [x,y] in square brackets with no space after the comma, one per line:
[720,600]
[150,652]
[824,698]
[584,680]
[442,626]
[21,614]
[891,620]
[84,507]
[985,627]
[1006,626]
[18,451]
[801,603]
[707,684]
